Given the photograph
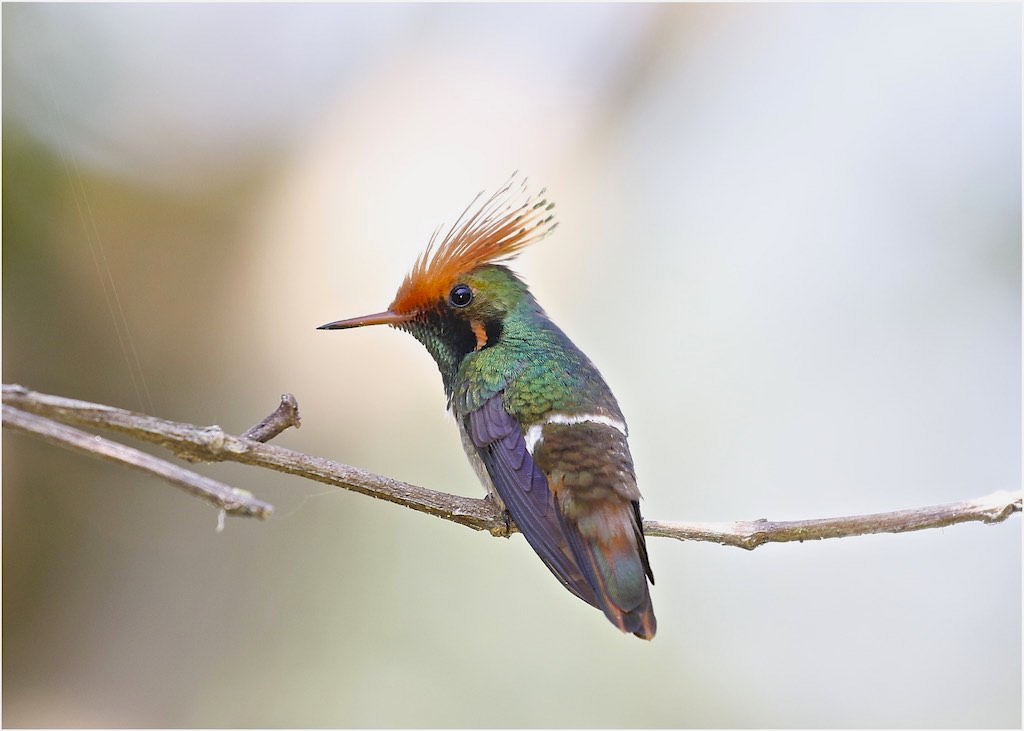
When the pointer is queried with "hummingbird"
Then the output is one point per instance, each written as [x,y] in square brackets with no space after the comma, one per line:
[539,424]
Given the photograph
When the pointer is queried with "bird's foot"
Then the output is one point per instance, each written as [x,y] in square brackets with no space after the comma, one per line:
[506,527]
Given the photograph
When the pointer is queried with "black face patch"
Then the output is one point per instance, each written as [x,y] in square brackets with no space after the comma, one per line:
[450,338]
[459,333]
[493,329]
[464,336]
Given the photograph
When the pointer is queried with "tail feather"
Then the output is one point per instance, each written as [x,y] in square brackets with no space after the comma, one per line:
[613,558]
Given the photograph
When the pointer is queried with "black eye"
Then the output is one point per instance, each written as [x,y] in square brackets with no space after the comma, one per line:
[460,296]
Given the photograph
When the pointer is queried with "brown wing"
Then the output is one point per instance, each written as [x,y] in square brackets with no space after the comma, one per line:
[590,473]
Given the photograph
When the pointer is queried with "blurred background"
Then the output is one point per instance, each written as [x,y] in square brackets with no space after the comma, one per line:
[790,237]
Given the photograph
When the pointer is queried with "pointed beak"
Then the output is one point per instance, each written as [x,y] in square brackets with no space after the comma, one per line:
[381,318]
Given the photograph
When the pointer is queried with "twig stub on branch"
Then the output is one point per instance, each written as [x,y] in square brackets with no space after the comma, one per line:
[284,416]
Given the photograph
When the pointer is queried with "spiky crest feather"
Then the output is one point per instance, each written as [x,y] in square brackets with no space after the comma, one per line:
[496,232]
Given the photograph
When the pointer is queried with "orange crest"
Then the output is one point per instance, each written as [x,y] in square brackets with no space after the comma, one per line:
[498,231]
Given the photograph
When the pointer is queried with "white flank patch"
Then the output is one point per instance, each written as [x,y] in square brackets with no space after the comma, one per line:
[533,436]
[536,432]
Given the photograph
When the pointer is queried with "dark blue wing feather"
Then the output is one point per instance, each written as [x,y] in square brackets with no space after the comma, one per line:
[523,488]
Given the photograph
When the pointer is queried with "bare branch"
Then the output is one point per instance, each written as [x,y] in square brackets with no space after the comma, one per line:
[212,444]
[228,499]
[750,534]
